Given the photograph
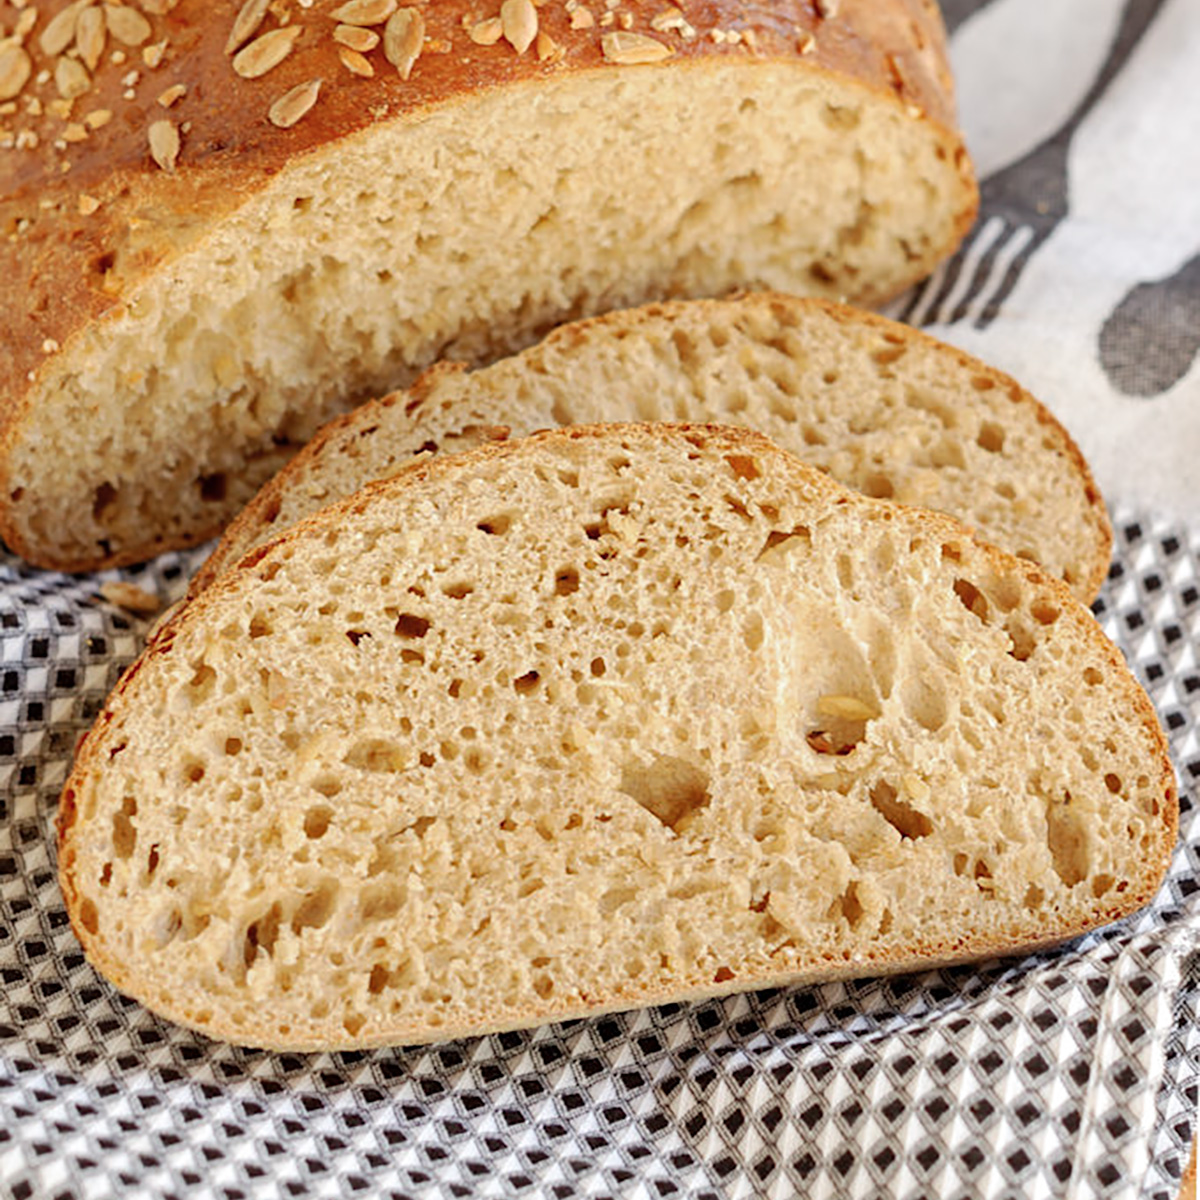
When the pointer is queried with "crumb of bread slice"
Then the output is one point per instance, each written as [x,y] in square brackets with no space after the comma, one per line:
[884,409]
[601,718]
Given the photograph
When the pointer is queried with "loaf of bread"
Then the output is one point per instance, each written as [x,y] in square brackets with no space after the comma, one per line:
[884,409]
[225,224]
[605,717]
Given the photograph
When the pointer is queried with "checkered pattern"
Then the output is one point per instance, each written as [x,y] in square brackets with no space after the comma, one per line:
[1071,1073]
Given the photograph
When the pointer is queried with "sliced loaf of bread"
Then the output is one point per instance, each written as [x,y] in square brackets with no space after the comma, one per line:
[293,224]
[881,407]
[602,718]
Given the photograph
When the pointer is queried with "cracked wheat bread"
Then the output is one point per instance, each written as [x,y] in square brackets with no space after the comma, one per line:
[445,758]
[884,409]
[285,210]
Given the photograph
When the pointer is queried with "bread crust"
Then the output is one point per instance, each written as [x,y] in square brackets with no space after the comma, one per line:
[255,520]
[86,222]
[95,750]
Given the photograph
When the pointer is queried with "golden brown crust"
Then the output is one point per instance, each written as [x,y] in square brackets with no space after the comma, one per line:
[92,751]
[260,512]
[83,221]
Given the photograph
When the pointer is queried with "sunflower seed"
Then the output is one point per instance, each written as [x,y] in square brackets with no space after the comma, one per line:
[356,63]
[126,24]
[15,69]
[57,36]
[292,105]
[403,40]
[582,19]
[356,37]
[164,144]
[175,92]
[827,9]
[245,24]
[520,21]
[158,7]
[266,52]
[548,50]
[88,205]
[628,48]
[89,36]
[364,12]
[98,118]
[486,33]
[153,55]
[25,23]
[71,78]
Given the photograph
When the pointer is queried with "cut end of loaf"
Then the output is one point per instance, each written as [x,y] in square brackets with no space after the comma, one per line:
[209,375]
[446,758]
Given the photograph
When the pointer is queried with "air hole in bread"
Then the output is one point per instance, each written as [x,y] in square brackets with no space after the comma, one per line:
[566,581]
[906,820]
[723,975]
[458,591]
[947,453]
[738,507]
[409,625]
[669,788]
[1044,613]
[743,466]
[973,600]
[382,900]
[193,770]
[1092,677]
[260,626]
[326,785]
[316,821]
[317,907]
[752,632]
[106,874]
[497,526]
[982,383]
[376,754]
[991,437]
[213,487]
[887,355]
[166,927]
[525,684]
[104,498]
[878,486]
[1101,884]
[124,832]
[357,635]
[88,917]
[840,118]
[779,543]
[262,934]
[1023,642]
[1066,838]
[851,906]
[1113,783]
[233,746]
[598,667]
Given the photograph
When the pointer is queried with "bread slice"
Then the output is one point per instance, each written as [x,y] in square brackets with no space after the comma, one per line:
[602,718]
[275,226]
[882,408]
